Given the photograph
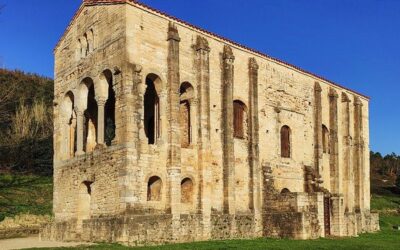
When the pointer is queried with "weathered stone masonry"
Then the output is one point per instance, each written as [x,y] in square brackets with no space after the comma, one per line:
[165,132]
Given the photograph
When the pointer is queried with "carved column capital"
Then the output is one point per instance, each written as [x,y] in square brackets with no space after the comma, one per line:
[173,33]
[137,69]
[101,101]
[117,70]
[333,94]
[317,87]
[357,102]
[202,44]
[253,65]
[193,101]
[228,54]
[78,111]
[345,98]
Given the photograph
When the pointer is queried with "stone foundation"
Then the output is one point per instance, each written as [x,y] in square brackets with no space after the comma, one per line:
[138,230]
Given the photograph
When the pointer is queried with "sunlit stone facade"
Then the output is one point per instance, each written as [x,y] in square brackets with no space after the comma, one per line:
[167,133]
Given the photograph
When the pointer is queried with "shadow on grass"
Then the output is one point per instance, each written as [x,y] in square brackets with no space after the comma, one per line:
[25,194]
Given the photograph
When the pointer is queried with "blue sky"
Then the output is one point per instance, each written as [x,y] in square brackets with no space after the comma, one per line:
[353,42]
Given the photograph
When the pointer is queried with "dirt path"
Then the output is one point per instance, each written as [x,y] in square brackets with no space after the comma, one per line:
[32,242]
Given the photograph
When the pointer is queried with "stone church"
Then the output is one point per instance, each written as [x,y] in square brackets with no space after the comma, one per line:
[166,132]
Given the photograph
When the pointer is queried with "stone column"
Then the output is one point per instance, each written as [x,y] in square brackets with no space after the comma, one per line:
[254,183]
[347,162]
[79,132]
[253,131]
[337,213]
[227,131]
[333,160]
[203,138]
[101,102]
[174,143]
[131,178]
[317,128]
[72,129]
[358,154]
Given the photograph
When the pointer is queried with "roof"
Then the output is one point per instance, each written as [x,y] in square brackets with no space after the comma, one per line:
[137,3]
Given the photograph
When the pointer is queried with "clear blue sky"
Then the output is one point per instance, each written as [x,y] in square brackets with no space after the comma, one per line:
[355,43]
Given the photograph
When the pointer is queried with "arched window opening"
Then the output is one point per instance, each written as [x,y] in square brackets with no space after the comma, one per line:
[84,198]
[109,117]
[80,49]
[285,142]
[87,46]
[285,191]
[239,119]
[187,191]
[325,140]
[154,188]
[152,109]
[90,128]
[186,94]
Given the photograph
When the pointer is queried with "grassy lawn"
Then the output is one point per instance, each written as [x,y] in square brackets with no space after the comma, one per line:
[385,202]
[21,194]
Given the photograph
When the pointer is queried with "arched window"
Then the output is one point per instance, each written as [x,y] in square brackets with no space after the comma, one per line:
[285,142]
[70,125]
[109,116]
[285,191]
[325,140]
[186,94]
[87,45]
[187,191]
[239,119]
[152,109]
[154,188]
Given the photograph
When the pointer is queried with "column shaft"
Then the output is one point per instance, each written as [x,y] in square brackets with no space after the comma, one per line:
[227,128]
[174,143]
[317,128]
[254,201]
[100,122]
[79,132]
[203,138]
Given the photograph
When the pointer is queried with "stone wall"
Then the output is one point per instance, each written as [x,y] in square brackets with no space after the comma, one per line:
[134,230]
[102,169]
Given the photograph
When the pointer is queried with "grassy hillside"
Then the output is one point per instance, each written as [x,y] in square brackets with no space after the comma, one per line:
[26,143]
[25,195]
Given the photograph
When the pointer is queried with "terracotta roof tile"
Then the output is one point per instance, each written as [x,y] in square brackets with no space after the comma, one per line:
[135,2]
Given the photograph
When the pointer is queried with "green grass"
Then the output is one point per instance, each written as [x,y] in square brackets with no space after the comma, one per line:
[21,194]
[385,202]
